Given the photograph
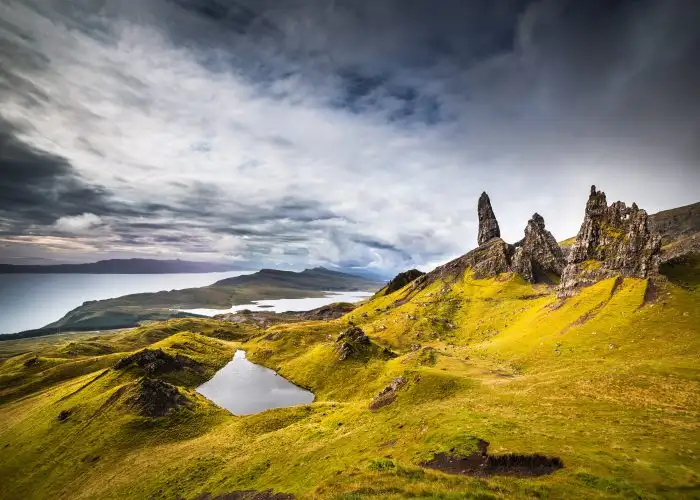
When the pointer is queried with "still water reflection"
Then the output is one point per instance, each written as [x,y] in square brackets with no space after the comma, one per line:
[243,388]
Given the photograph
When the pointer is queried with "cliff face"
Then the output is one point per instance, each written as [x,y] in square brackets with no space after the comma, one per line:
[613,240]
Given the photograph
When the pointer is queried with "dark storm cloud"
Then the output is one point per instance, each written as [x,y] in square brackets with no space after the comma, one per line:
[38,188]
[356,132]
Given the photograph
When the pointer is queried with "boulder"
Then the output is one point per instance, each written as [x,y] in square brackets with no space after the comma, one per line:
[64,415]
[354,334]
[387,395]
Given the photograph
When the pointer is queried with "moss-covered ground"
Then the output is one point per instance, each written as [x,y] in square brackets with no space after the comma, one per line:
[607,380]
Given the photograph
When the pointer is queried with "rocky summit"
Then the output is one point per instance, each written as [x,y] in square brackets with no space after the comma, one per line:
[537,257]
[488,225]
[613,240]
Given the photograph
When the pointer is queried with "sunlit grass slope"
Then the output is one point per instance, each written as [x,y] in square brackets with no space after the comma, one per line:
[608,380]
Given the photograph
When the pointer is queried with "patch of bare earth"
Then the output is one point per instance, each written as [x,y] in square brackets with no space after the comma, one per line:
[480,463]
[247,495]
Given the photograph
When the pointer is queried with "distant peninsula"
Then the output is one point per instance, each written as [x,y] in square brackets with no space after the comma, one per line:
[267,284]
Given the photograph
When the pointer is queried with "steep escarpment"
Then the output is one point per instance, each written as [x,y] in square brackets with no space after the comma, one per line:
[613,240]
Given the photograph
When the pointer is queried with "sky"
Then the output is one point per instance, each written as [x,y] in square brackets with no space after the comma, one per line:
[348,133]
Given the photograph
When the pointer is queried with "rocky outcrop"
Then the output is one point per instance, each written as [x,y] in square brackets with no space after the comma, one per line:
[157,361]
[613,240]
[538,257]
[352,342]
[402,279]
[388,395]
[328,312]
[155,398]
[488,225]
[490,259]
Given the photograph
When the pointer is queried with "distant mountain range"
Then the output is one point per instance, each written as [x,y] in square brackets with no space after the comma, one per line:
[121,266]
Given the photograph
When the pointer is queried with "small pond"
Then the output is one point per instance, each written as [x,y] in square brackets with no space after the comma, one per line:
[243,388]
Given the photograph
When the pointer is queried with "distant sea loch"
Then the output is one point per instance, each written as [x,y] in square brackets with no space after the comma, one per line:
[29,301]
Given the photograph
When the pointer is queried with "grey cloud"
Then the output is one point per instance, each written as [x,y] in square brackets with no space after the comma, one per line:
[356,132]
[38,188]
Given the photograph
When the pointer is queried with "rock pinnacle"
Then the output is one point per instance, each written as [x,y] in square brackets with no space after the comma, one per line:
[488,225]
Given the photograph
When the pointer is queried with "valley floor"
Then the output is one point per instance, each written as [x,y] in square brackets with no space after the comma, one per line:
[607,381]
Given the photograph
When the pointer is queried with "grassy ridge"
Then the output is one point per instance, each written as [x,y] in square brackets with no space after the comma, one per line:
[607,380]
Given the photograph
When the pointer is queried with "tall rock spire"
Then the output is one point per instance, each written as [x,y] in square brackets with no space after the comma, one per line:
[488,225]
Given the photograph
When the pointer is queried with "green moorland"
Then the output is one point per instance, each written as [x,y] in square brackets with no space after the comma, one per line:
[608,381]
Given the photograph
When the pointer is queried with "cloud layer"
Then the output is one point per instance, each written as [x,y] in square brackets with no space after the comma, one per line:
[354,133]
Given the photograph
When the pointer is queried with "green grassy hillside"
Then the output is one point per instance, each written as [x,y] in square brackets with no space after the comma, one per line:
[608,381]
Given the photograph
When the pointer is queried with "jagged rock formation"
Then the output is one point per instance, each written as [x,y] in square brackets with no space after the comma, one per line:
[613,240]
[488,225]
[538,257]
[402,279]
